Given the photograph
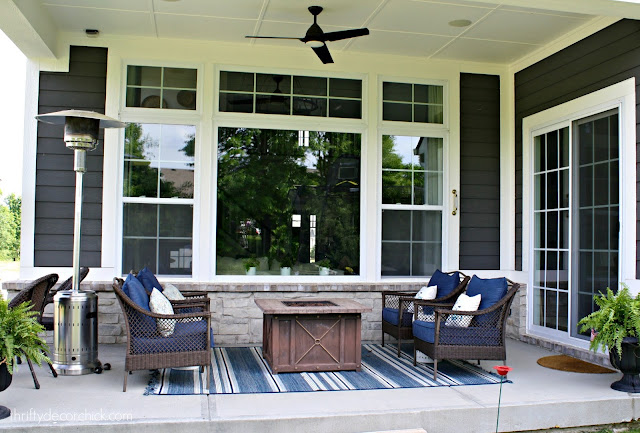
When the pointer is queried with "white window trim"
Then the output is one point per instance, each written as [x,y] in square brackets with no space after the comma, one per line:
[620,96]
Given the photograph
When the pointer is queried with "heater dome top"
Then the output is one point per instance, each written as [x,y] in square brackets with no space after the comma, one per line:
[59,117]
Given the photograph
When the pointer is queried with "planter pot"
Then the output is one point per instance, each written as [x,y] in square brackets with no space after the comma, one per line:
[285,271]
[628,364]
[324,271]
[5,381]
[252,270]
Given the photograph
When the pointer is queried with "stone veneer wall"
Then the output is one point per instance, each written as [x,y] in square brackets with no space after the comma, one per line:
[236,320]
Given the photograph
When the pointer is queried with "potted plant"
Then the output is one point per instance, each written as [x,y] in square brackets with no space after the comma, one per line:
[616,327]
[285,264]
[325,266]
[251,265]
[20,337]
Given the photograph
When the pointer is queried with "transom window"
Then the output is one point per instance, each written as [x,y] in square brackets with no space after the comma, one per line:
[160,87]
[246,92]
[420,103]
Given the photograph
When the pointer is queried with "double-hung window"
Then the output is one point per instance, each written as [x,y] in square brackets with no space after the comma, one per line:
[158,171]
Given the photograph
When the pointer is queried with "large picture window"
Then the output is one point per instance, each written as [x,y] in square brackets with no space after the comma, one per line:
[289,200]
[158,191]
[412,176]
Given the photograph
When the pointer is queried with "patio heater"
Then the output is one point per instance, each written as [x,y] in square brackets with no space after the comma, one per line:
[75,335]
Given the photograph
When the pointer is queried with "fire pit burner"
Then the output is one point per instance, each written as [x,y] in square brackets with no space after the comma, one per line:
[309,303]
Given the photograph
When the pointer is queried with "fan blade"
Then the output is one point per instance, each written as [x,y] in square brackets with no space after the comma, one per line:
[345,34]
[324,54]
[272,37]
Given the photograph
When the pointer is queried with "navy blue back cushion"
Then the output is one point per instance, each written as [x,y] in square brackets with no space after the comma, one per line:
[446,283]
[491,290]
[148,280]
[135,291]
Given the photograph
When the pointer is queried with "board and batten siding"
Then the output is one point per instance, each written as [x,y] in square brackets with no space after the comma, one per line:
[479,171]
[82,88]
[605,58]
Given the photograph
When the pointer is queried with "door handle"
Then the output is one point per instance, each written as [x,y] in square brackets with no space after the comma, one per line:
[455,202]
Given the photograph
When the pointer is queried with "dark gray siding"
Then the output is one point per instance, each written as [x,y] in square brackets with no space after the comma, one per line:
[479,171]
[604,58]
[82,88]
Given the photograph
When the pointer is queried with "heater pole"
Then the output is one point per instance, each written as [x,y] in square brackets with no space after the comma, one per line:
[80,168]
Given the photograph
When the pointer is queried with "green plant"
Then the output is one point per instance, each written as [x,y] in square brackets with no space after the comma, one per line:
[324,263]
[251,262]
[287,261]
[618,317]
[20,335]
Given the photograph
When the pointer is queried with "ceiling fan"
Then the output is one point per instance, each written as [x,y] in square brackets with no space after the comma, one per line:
[316,38]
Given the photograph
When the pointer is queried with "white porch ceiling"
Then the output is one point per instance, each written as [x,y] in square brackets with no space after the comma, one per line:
[500,32]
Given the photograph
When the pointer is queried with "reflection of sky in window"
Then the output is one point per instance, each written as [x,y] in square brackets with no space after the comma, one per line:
[164,143]
[404,146]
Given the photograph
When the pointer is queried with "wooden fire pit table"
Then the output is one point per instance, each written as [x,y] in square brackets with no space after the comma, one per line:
[311,334]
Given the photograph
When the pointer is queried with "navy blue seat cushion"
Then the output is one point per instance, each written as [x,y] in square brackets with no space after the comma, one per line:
[186,337]
[456,335]
[391,315]
[491,290]
[148,280]
[446,283]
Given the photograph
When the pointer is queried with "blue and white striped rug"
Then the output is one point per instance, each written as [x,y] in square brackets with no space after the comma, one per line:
[243,370]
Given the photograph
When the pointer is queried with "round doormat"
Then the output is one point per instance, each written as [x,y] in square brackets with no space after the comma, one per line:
[574,365]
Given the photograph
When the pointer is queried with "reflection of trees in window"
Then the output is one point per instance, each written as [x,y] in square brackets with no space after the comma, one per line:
[266,176]
[146,176]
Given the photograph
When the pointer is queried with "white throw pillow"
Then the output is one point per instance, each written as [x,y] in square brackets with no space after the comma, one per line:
[463,303]
[159,304]
[427,293]
[172,293]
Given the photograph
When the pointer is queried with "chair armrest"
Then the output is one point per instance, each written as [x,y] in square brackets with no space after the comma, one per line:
[391,299]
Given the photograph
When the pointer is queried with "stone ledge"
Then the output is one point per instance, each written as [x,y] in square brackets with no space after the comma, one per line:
[190,286]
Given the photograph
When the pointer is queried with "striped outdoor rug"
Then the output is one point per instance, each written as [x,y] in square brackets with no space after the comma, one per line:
[242,370]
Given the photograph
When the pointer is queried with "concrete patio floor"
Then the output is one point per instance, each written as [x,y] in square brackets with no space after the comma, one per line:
[538,398]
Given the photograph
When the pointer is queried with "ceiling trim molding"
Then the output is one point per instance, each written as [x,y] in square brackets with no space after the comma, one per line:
[593,26]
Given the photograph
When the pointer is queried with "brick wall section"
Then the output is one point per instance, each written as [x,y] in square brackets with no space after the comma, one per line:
[236,320]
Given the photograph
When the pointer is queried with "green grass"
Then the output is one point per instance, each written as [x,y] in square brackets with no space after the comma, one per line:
[9,270]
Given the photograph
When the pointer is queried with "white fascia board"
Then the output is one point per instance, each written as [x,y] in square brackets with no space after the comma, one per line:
[611,8]
[30,28]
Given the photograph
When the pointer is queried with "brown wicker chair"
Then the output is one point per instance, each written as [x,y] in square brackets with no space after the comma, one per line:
[190,343]
[483,338]
[397,310]
[36,292]
[47,321]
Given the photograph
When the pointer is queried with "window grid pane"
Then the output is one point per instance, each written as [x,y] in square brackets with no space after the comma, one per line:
[244,92]
[161,88]
[417,103]
[551,230]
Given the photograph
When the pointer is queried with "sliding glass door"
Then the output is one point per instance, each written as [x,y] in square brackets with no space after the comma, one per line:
[575,218]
